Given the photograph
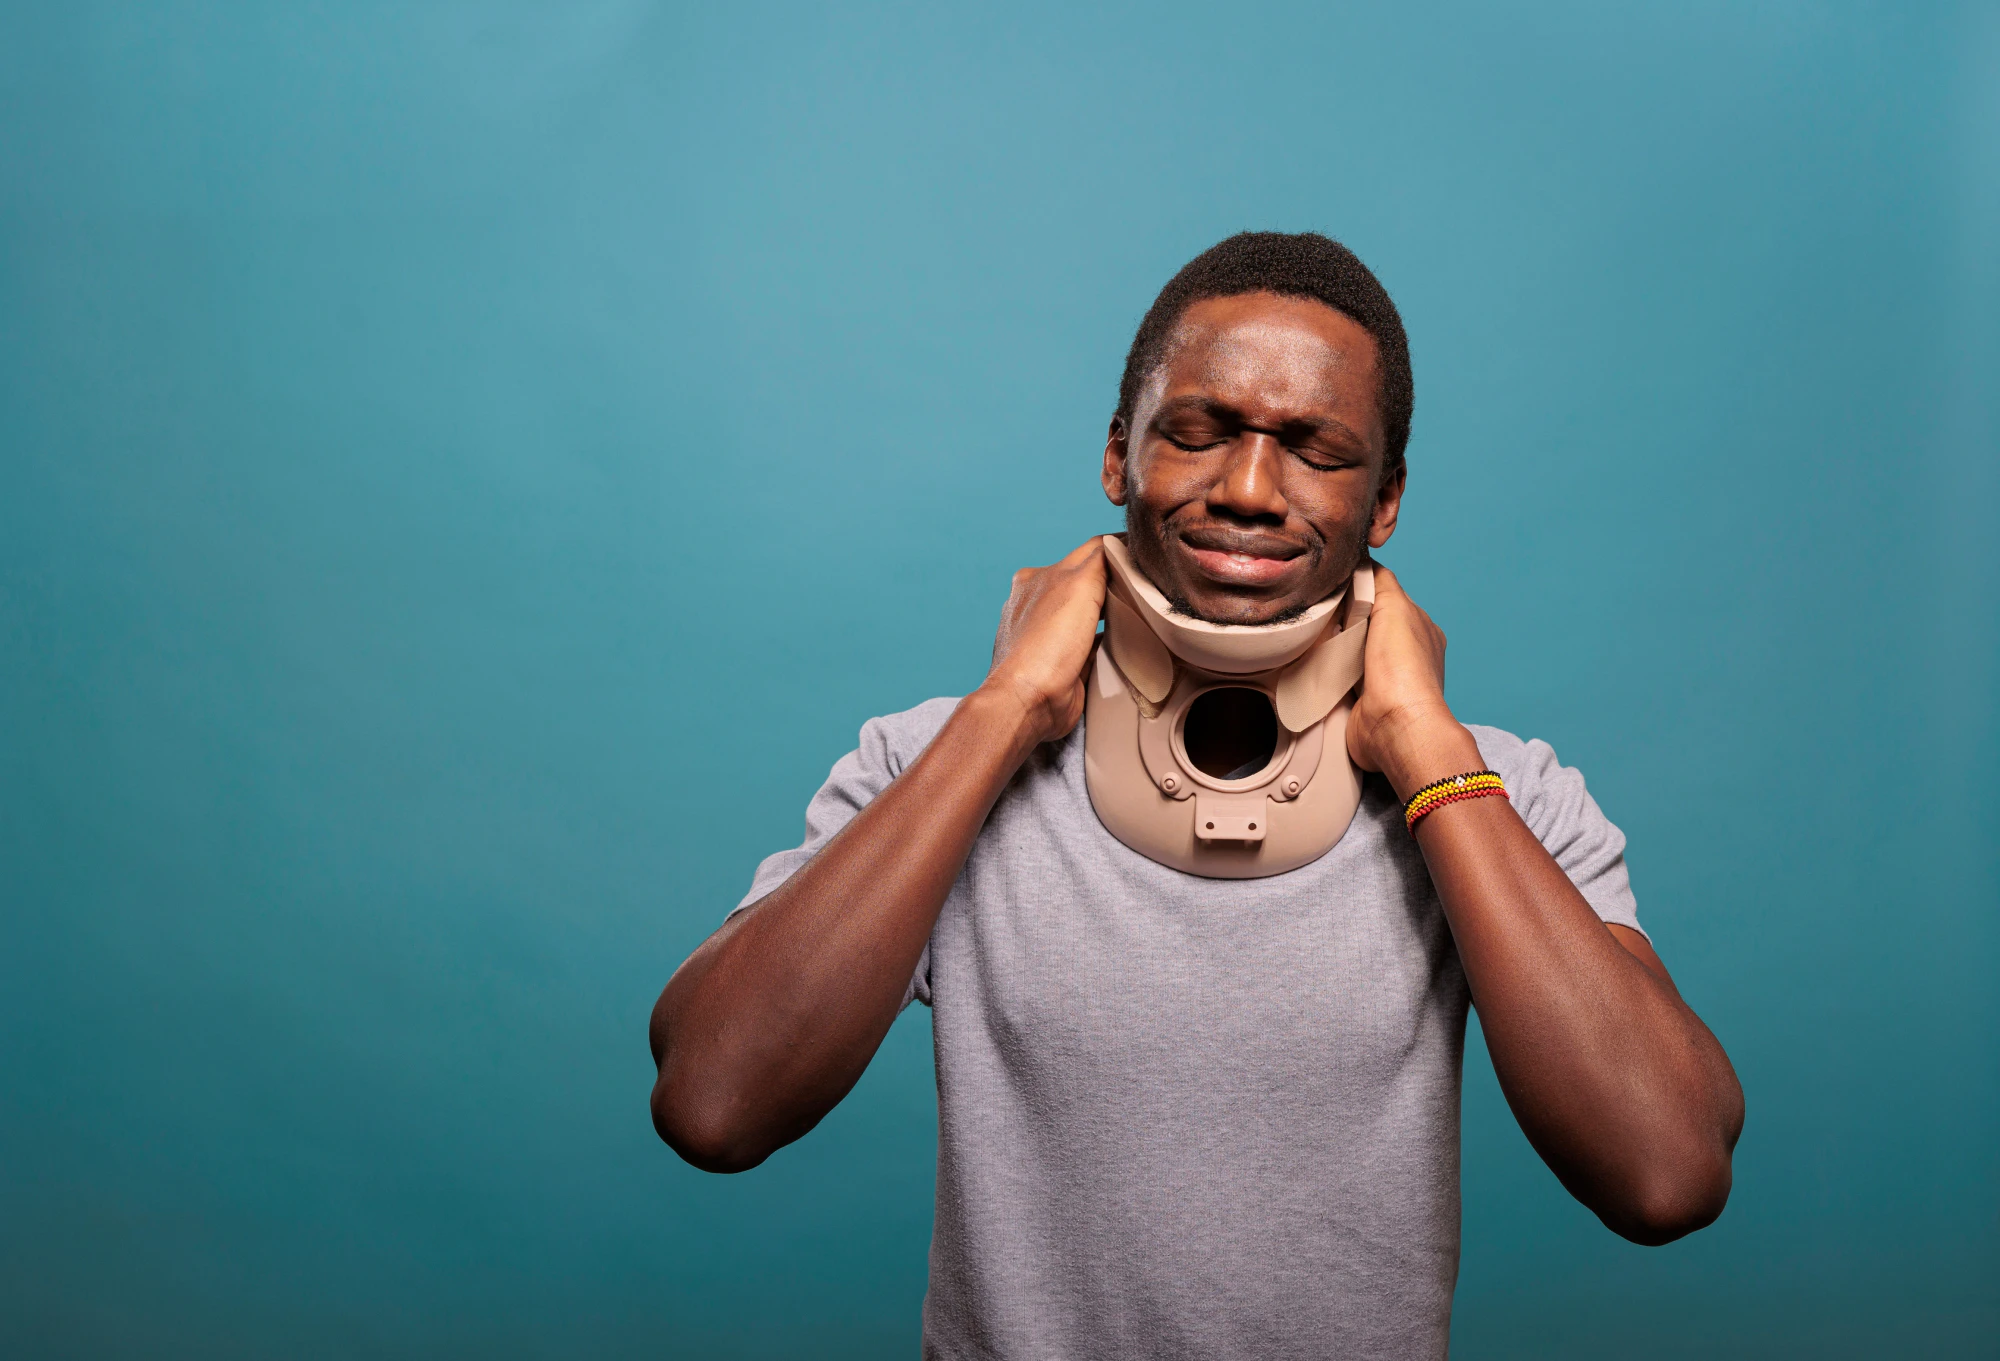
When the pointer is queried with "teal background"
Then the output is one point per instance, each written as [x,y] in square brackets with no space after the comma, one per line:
[466,470]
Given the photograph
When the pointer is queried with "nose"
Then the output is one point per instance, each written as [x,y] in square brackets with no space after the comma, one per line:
[1248,486]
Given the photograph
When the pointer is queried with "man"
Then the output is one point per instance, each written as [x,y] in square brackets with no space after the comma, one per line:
[1200,1117]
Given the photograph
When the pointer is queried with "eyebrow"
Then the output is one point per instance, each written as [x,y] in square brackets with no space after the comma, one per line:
[1210,406]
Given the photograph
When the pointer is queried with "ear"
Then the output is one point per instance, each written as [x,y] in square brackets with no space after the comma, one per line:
[1116,447]
[1388,504]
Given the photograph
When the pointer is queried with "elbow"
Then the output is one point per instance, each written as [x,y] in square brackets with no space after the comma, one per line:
[1671,1201]
[1682,1180]
[700,1129]
[695,1115]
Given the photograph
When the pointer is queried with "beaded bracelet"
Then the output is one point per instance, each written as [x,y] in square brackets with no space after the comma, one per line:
[1476,784]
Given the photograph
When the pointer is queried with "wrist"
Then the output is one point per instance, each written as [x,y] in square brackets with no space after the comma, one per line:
[1006,718]
[1427,746]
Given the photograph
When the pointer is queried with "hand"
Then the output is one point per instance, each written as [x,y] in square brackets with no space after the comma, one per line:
[1044,640]
[1401,725]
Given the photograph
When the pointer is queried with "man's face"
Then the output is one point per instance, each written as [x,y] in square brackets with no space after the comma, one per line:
[1251,475]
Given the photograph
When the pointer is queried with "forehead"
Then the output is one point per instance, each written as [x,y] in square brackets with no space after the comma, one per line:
[1273,358]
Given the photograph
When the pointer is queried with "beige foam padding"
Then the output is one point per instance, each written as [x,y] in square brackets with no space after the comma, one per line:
[1227,649]
[1137,649]
[1308,689]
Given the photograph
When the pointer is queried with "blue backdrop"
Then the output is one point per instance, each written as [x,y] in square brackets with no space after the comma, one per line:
[466,470]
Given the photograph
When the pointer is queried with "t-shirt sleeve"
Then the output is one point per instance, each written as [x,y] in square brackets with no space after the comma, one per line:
[1552,800]
[886,746]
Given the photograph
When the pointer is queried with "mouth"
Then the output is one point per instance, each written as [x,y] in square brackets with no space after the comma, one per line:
[1243,558]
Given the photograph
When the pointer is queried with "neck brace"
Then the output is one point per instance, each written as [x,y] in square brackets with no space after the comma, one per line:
[1151,667]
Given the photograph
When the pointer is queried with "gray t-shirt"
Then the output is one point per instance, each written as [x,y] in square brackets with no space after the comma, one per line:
[1185,1117]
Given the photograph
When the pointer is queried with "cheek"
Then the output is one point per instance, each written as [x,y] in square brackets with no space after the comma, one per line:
[1163,484]
[1336,506]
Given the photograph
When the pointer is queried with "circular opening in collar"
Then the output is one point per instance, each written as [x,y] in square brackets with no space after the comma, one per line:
[1229,737]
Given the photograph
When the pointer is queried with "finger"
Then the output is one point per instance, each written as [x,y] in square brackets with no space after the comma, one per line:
[1386,580]
[1084,570]
[1083,552]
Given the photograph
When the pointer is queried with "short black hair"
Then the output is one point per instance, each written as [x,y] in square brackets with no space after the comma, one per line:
[1292,265]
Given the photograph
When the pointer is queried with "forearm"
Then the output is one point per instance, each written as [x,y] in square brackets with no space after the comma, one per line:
[1615,1081]
[770,1023]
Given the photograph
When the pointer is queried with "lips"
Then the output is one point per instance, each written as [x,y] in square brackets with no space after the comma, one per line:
[1247,542]
[1242,557]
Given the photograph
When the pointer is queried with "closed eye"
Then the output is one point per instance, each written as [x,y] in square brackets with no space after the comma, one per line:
[1322,462]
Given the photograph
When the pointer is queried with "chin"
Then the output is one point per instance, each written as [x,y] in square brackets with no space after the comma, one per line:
[1218,604]
[1249,613]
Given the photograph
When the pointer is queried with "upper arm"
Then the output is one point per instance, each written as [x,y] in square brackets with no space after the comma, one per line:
[1554,803]
[887,745]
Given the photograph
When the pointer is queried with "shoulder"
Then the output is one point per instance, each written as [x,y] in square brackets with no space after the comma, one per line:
[892,741]
[885,747]
[1550,796]
[1513,758]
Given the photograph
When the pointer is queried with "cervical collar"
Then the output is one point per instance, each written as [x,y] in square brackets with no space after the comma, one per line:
[1154,667]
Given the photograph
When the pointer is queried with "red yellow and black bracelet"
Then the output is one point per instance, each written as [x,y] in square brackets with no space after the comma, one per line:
[1477,784]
